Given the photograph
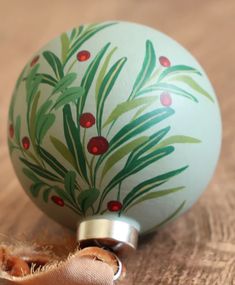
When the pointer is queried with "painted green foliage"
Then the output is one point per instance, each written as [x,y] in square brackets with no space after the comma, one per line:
[75,185]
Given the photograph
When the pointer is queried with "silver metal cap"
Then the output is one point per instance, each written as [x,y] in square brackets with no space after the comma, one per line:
[115,234]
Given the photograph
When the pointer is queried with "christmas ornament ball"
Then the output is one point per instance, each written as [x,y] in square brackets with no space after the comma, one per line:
[114,121]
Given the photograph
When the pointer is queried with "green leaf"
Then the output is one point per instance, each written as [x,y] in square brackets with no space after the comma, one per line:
[72,137]
[140,125]
[170,217]
[46,194]
[91,26]
[40,171]
[32,84]
[65,82]
[33,116]
[127,106]
[52,162]
[44,124]
[84,36]
[87,198]
[169,88]
[90,75]
[76,31]
[148,185]
[44,108]
[71,94]
[30,78]
[10,146]
[154,195]
[79,91]
[41,117]
[172,70]
[103,71]
[149,144]
[17,129]
[122,152]
[33,157]
[34,89]
[35,188]
[69,183]
[136,127]
[141,110]
[64,46]
[21,77]
[135,167]
[73,33]
[146,69]
[105,88]
[138,164]
[48,79]
[62,194]
[63,150]
[176,139]
[30,175]
[55,63]
[193,84]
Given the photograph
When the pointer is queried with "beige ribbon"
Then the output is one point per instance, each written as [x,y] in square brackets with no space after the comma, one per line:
[90,266]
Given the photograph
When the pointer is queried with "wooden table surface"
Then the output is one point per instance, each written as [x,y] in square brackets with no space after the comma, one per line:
[199,248]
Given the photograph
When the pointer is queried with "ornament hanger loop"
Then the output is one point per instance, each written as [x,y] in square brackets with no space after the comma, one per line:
[120,267]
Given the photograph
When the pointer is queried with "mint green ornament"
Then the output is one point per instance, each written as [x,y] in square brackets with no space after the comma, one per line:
[116,125]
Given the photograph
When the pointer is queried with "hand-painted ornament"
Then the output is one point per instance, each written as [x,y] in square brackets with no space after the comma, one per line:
[115,125]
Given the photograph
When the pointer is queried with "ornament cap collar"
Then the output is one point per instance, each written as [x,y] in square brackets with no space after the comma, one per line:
[118,235]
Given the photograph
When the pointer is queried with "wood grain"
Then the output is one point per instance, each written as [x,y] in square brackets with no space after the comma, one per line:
[199,248]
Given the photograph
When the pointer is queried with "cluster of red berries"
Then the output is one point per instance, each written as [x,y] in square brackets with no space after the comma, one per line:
[81,56]
[96,145]
[165,97]
[112,206]
[25,140]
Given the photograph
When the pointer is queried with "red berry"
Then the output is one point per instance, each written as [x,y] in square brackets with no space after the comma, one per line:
[166,99]
[94,149]
[58,201]
[114,206]
[164,61]
[34,60]
[87,120]
[97,145]
[11,131]
[26,143]
[83,55]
